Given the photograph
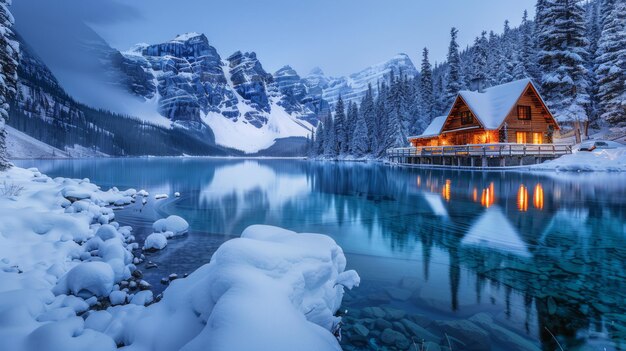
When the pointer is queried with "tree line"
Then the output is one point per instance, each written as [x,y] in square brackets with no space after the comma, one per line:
[574,51]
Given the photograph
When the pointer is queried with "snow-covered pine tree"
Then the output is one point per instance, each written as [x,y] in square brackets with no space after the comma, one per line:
[330,139]
[525,63]
[351,117]
[319,138]
[453,82]
[611,63]
[593,24]
[425,93]
[9,56]
[493,59]
[368,110]
[341,146]
[506,62]
[382,115]
[479,61]
[360,145]
[563,50]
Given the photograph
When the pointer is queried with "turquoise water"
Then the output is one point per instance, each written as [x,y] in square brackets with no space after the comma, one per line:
[448,259]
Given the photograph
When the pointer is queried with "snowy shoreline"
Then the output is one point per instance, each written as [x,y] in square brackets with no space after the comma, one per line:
[70,280]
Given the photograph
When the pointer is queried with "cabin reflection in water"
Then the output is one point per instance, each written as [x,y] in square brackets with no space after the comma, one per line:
[522,198]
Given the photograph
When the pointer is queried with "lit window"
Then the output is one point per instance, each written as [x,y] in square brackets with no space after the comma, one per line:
[521,137]
[537,138]
[466,117]
[523,113]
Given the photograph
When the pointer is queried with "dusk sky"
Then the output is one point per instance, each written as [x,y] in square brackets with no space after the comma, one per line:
[341,37]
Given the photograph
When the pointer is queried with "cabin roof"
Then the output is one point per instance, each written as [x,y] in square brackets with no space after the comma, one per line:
[433,129]
[493,105]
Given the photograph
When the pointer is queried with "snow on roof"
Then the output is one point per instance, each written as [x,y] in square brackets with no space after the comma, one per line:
[494,231]
[493,105]
[433,129]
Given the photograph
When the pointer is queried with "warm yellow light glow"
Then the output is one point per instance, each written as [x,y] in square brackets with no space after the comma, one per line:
[419,181]
[445,192]
[488,196]
[475,195]
[537,138]
[538,197]
[522,198]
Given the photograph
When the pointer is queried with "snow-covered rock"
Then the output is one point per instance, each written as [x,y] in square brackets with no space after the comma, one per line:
[86,280]
[174,224]
[155,241]
[57,261]
[277,288]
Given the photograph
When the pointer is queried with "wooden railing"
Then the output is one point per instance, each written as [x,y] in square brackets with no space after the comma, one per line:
[502,149]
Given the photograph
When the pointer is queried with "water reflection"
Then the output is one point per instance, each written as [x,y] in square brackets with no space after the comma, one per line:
[522,198]
[442,240]
[538,197]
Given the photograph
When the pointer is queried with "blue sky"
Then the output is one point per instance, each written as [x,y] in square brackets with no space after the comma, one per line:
[339,36]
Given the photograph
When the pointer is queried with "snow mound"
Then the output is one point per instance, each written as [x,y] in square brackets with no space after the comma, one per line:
[174,224]
[86,280]
[277,288]
[155,241]
[609,160]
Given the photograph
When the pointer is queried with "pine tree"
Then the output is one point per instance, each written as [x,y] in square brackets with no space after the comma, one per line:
[351,117]
[360,145]
[330,139]
[453,83]
[507,60]
[562,46]
[493,59]
[479,60]
[9,55]
[319,138]
[368,110]
[341,140]
[611,63]
[525,63]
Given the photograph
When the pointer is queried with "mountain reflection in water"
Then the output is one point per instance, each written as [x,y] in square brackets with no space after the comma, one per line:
[541,254]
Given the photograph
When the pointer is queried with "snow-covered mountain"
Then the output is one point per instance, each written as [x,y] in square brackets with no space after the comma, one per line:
[354,87]
[245,107]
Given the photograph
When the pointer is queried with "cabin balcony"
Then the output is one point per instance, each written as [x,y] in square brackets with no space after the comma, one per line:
[496,155]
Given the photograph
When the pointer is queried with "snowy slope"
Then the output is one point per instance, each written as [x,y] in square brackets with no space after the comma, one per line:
[21,145]
[354,87]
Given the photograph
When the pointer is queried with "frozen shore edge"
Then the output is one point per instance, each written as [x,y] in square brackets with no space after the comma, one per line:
[68,267]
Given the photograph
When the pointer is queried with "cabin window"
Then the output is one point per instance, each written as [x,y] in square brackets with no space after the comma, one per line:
[521,137]
[523,113]
[537,138]
[466,117]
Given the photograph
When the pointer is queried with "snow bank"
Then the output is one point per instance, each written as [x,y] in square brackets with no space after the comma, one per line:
[174,224]
[609,160]
[61,256]
[271,289]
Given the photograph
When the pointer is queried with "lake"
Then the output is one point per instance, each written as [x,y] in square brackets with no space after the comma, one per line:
[448,259]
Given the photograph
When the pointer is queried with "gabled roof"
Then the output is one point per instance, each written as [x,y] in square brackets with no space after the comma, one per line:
[492,106]
[433,129]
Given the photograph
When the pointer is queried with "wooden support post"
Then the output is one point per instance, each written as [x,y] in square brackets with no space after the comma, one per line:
[502,161]
[458,161]
[521,161]
[484,161]
[472,159]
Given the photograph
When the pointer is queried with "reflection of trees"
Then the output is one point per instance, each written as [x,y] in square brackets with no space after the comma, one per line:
[576,276]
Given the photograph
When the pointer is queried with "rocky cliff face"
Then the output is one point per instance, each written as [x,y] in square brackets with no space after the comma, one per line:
[196,88]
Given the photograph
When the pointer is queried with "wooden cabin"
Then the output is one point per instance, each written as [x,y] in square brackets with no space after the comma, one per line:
[508,113]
